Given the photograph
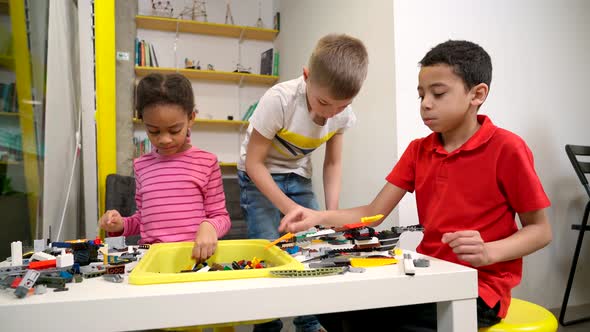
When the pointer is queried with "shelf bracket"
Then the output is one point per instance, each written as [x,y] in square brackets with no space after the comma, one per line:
[242,35]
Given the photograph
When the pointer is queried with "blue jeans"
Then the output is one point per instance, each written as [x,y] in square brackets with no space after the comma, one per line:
[263,219]
[261,216]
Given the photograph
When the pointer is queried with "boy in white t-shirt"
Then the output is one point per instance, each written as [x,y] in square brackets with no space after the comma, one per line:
[292,119]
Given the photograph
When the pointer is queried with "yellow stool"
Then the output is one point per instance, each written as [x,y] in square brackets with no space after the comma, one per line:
[221,327]
[525,316]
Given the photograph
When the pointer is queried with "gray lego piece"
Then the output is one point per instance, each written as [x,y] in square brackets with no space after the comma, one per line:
[113,277]
[26,283]
[421,262]
[40,289]
[116,242]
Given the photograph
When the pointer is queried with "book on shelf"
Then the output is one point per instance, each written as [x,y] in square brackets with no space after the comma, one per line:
[137,52]
[275,64]
[141,53]
[148,59]
[266,62]
[8,100]
[10,146]
[249,112]
[2,85]
[154,58]
[142,146]
[277,21]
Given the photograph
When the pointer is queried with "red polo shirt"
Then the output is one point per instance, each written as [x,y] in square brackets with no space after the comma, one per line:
[480,186]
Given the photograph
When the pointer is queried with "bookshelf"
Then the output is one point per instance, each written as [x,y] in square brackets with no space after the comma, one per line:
[9,162]
[206,28]
[9,114]
[7,62]
[224,164]
[217,135]
[213,75]
[211,122]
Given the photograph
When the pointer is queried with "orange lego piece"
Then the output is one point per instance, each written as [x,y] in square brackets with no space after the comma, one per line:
[282,238]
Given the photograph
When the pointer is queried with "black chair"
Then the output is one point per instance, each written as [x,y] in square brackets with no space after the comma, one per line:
[582,169]
[239,229]
[120,196]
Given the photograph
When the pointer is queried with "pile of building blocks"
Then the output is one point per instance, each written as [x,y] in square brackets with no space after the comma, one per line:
[359,241]
[54,265]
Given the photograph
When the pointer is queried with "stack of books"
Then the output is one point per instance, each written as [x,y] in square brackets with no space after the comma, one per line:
[142,146]
[8,101]
[145,54]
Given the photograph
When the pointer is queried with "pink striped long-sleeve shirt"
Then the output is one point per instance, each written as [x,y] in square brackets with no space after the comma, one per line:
[175,194]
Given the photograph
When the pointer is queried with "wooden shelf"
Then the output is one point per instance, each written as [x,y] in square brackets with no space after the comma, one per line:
[221,122]
[205,28]
[213,75]
[11,114]
[210,121]
[9,162]
[7,61]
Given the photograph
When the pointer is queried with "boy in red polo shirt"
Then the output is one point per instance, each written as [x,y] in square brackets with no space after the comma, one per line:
[470,178]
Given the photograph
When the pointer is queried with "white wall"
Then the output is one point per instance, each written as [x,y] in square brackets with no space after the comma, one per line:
[370,146]
[539,51]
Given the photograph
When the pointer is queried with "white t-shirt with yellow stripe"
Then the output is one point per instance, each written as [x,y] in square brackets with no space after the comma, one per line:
[283,117]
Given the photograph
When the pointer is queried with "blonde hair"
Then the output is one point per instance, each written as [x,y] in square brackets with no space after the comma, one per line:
[339,63]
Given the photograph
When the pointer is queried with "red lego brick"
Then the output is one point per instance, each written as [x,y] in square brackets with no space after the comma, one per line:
[42,265]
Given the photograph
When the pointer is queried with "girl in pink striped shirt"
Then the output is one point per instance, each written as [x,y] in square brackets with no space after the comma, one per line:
[179,190]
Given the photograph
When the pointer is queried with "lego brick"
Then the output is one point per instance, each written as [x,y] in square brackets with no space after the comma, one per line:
[27,282]
[65,260]
[42,265]
[39,245]
[16,253]
[41,256]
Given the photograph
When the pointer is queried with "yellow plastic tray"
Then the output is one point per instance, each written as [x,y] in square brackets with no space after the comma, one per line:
[163,261]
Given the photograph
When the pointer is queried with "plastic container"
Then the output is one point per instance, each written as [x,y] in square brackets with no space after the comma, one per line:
[164,261]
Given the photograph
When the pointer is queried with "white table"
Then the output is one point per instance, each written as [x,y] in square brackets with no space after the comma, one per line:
[99,305]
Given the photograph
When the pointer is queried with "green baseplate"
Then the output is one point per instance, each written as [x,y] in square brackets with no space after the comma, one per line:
[326,271]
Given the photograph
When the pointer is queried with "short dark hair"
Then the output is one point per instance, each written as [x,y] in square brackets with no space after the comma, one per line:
[158,89]
[468,60]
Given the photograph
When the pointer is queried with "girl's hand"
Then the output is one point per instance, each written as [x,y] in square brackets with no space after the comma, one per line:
[111,222]
[205,242]
[469,247]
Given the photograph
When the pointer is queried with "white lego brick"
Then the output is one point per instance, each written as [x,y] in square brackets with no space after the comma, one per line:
[373,240]
[16,253]
[323,232]
[38,245]
[41,256]
[409,267]
[65,260]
